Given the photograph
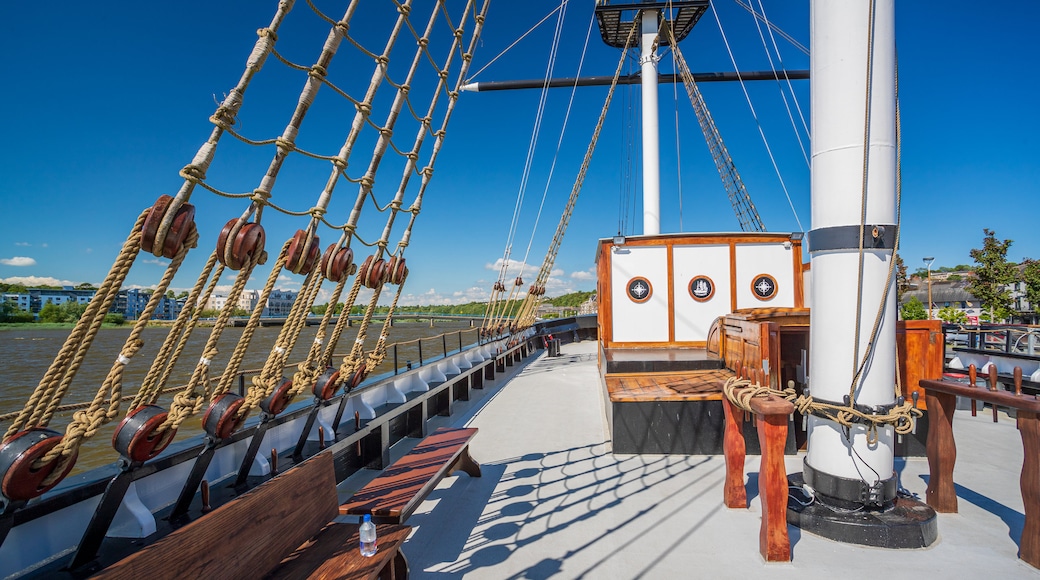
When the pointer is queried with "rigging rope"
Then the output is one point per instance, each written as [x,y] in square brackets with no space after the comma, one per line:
[531,146]
[167,229]
[534,298]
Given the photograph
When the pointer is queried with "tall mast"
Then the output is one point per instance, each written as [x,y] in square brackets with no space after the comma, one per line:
[651,130]
[617,25]
[850,469]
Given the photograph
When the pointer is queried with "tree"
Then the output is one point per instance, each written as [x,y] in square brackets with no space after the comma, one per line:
[902,283]
[73,311]
[51,312]
[85,286]
[913,310]
[992,274]
[952,315]
[114,318]
[1031,276]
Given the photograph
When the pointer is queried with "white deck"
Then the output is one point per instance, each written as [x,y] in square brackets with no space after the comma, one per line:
[554,502]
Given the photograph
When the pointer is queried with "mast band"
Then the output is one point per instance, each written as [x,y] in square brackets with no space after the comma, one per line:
[875,237]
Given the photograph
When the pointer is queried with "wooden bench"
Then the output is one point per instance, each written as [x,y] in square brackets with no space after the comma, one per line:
[281,529]
[395,494]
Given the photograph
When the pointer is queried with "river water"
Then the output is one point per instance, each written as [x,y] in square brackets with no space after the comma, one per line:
[28,352]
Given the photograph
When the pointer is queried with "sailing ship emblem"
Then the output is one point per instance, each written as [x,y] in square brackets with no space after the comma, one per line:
[639,289]
[702,288]
[764,287]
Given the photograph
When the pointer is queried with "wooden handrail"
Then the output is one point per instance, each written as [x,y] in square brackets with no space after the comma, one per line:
[942,450]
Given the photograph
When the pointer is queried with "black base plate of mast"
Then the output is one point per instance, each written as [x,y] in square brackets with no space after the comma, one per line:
[908,523]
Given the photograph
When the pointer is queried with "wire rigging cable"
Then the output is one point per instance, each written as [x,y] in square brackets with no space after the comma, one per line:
[761,132]
[794,42]
[559,142]
[779,85]
[493,312]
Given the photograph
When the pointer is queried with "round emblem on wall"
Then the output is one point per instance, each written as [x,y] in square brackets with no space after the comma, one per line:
[764,287]
[639,289]
[702,288]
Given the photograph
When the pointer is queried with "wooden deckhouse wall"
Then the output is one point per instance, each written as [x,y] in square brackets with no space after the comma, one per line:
[670,315]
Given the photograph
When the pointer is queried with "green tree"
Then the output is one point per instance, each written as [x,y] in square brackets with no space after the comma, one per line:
[1031,276]
[73,310]
[952,315]
[114,318]
[913,310]
[51,312]
[992,274]
[85,286]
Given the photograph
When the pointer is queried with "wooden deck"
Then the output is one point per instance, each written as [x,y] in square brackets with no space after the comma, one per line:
[703,385]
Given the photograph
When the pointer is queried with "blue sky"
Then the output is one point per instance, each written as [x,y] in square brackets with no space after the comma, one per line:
[104,103]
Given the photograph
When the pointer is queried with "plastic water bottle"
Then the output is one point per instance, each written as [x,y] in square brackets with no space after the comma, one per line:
[368,537]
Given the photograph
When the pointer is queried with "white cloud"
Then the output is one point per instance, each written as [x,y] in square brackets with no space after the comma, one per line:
[18,261]
[583,275]
[23,244]
[157,262]
[284,278]
[31,281]
[513,268]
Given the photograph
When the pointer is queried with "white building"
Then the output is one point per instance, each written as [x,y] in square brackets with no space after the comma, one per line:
[278,303]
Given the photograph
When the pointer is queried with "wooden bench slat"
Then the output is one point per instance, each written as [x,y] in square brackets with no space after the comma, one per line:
[220,544]
[703,385]
[397,492]
[334,554]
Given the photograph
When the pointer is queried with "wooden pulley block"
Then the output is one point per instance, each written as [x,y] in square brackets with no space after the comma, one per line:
[220,420]
[19,480]
[396,270]
[137,437]
[519,281]
[301,259]
[279,398]
[326,385]
[183,224]
[357,378]
[372,272]
[336,263]
[248,242]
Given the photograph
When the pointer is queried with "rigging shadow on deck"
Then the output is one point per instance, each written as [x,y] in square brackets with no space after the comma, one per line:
[1013,519]
[524,500]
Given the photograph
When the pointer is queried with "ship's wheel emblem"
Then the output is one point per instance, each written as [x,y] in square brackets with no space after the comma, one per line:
[764,287]
[639,289]
[702,288]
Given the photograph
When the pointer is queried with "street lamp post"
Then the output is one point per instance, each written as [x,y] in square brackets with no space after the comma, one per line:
[928,263]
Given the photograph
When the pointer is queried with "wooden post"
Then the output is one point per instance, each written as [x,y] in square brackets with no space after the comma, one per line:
[1029,546]
[734,495]
[771,413]
[942,452]
[973,375]
[993,386]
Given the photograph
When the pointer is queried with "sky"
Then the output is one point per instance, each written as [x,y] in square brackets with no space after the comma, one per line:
[105,103]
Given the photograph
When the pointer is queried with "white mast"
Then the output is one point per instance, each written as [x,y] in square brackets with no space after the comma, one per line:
[840,35]
[651,139]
